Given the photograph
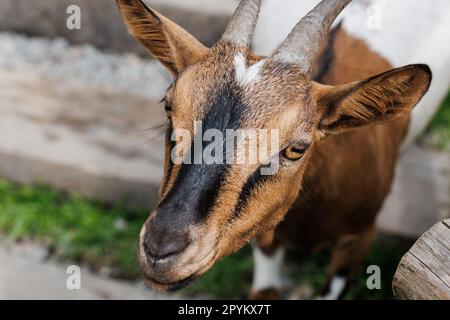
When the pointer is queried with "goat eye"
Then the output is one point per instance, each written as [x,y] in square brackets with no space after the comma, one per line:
[295,152]
[167,106]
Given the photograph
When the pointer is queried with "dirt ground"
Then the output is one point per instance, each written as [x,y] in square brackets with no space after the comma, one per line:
[25,273]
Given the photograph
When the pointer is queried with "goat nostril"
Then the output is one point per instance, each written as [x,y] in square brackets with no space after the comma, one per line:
[166,247]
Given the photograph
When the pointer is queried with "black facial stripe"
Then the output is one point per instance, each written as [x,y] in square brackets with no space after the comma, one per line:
[252,182]
[195,190]
[196,187]
[226,111]
[171,145]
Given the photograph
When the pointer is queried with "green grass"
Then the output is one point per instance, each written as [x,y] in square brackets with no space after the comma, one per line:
[231,278]
[74,228]
[228,279]
[99,235]
[438,133]
[385,253]
[83,231]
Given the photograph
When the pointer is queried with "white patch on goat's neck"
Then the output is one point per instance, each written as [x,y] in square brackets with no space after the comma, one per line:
[267,269]
[410,31]
[337,286]
[246,75]
[404,26]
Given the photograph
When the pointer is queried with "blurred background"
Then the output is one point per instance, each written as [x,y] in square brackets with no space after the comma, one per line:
[81,158]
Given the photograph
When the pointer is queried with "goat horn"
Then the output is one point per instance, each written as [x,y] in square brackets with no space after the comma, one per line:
[242,25]
[302,44]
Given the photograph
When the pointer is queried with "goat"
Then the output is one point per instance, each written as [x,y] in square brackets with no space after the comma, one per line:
[338,146]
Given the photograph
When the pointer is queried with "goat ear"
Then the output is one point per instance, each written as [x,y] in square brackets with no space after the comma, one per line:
[168,42]
[382,98]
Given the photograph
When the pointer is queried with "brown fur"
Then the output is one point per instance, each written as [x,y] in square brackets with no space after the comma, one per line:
[353,170]
[352,130]
[335,158]
[162,37]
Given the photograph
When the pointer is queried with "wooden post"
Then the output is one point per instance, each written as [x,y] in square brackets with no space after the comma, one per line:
[424,271]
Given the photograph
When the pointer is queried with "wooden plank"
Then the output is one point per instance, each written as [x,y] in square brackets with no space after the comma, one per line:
[434,255]
[439,229]
[414,281]
[424,271]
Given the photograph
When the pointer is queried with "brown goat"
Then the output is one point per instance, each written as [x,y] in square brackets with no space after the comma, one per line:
[338,145]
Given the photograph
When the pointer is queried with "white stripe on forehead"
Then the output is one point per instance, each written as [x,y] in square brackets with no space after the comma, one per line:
[246,75]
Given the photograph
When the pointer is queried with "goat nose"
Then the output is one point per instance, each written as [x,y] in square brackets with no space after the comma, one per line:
[167,245]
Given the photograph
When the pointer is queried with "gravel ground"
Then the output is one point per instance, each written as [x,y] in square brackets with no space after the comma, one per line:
[57,59]
[25,273]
